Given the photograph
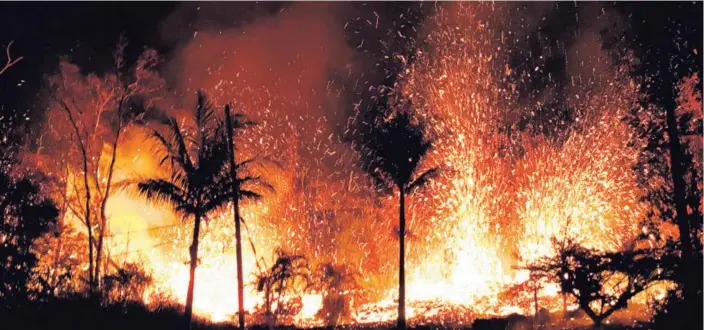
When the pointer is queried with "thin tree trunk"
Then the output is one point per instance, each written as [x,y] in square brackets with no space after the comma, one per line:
[108,184]
[677,171]
[269,312]
[236,206]
[99,249]
[59,239]
[106,264]
[240,274]
[536,320]
[402,262]
[89,226]
[192,275]
[84,154]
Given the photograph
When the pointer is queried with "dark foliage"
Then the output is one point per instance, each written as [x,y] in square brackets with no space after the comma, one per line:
[24,216]
[604,282]
[288,276]
[395,149]
[673,313]
[392,154]
[335,282]
[126,285]
[666,40]
[78,312]
[199,181]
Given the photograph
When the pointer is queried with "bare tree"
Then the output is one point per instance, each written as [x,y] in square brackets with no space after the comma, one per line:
[145,82]
[88,113]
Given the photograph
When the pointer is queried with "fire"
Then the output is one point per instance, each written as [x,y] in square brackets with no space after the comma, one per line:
[505,191]
[162,253]
[311,305]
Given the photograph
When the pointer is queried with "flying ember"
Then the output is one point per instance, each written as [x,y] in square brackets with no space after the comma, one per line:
[449,165]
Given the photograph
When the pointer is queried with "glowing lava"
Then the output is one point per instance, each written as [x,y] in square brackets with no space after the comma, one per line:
[506,189]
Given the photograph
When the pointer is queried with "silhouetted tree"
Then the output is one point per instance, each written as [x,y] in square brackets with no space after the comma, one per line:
[525,294]
[667,43]
[232,123]
[669,168]
[59,271]
[24,215]
[335,283]
[392,156]
[88,113]
[199,180]
[289,274]
[603,282]
[127,284]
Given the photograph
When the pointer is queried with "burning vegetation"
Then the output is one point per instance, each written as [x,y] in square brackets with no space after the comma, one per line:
[468,186]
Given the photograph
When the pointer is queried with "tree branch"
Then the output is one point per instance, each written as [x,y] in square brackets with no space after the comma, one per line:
[10,62]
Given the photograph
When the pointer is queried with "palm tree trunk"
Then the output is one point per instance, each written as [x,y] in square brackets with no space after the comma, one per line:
[402,263]
[236,206]
[240,275]
[677,171]
[192,275]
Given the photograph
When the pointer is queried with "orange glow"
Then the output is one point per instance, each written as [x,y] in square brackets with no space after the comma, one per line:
[504,191]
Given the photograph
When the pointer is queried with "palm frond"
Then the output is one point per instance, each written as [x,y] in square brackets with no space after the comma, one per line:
[161,191]
[255,181]
[216,203]
[394,149]
[180,152]
[220,193]
[422,180]
[204,114]
[126,184]
[240,121]
[249,195]
[217,193]
[164,143]
[244,164]
[213,161]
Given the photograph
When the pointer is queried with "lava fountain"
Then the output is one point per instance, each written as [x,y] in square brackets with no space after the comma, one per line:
[510,182]
[508,187]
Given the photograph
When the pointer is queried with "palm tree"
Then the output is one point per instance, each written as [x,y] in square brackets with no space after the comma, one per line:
[289,273]
[232,123]
[392,156]
[199,181]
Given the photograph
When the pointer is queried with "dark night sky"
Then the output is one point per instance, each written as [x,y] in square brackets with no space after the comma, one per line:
[88,31]
[44,30]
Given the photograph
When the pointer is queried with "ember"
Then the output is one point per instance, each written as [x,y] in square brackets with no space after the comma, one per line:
[540,148]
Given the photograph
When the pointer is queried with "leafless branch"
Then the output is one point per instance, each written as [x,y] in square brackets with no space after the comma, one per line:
[10,61]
